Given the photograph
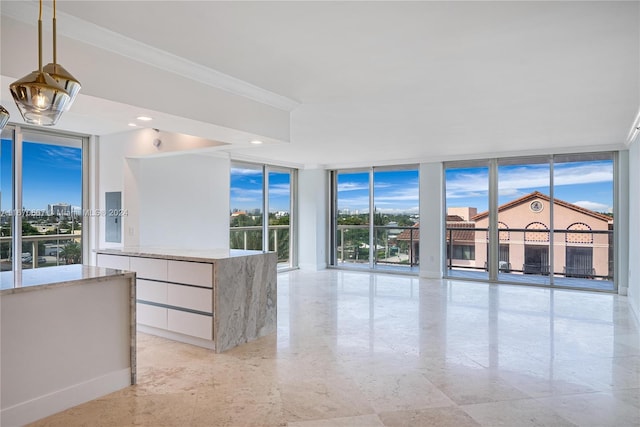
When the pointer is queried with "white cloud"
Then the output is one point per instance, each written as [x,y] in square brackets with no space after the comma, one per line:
[409,210]
[279,189]
[594,206]
[246,172]
[352,186]
[518,181]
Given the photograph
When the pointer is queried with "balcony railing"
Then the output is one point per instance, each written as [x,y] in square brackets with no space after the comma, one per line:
[585,254]
[393,245]
[250,238]
[52,255]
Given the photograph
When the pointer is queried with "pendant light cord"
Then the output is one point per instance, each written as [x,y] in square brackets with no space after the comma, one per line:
[55,56]
[40,39]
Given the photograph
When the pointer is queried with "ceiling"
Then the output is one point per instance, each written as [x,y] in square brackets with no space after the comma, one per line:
[341,84]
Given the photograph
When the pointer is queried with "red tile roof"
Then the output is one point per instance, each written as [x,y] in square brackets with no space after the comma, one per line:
[539,195]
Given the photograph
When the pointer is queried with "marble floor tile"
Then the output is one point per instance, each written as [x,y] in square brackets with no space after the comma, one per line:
[449,416]
[596,409]
[357,421]
[521,413]
[359,349]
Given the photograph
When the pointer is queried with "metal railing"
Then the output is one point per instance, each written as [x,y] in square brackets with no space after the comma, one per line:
[584,254]
[250,238]
[393,245]
[47,259]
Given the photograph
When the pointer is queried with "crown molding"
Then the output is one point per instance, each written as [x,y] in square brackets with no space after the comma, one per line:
[102,38]
[634,131]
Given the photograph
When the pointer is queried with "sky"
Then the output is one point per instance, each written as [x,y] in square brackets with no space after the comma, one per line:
[586,184]
[51,174]
[395,192]
[246,190]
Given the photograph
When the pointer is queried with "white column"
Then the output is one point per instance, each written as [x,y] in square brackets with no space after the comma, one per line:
[431,220]
[621,223]
[312,219]
[634,229]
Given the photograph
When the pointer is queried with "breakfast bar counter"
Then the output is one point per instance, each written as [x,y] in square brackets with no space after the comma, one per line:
[67,336]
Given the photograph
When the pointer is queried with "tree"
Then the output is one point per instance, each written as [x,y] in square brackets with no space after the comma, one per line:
[72,253]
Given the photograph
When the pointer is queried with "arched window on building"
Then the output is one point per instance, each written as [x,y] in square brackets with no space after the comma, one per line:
[536,249]
[579,251]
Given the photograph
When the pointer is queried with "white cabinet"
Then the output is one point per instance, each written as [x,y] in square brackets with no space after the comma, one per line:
[190,297]
[152,291]
[118,262]
[149,268]
[175,296]
[196,325]
[191,273]
[152,315]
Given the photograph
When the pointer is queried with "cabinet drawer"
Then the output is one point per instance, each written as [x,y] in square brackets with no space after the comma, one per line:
[118,262]
[151,291]
[196,325]
[151,315]
[149,268]
[190,297]
[191,273]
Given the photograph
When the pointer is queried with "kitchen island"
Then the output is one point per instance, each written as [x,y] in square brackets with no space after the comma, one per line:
[214,298]
[67,336]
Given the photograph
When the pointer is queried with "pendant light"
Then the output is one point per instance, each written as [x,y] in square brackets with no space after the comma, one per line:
[57,71]
[4,117]
[40,99]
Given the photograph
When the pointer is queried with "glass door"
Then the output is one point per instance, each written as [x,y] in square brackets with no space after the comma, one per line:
[467,238]
[524,214]
[352,218]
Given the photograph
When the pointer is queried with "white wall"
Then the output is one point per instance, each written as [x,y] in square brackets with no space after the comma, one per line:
[184,202]
[63,346]
[176,194]
[312,219]
[431,217]
[634,228]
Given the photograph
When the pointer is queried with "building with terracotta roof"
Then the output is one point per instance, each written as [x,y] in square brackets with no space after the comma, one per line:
[579,240]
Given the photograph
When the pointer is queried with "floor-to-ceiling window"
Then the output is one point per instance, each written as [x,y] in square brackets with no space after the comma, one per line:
[466,238]
[583,219]
[6,197]
[247,206]
[549,220]
[41,211]
[280,207]
[256,189]
[376,218]
[524,215]
[352,217]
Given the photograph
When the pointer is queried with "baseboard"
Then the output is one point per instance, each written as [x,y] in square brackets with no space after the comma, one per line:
[187,339]
[49,404]
[635,310]
[431,274]
[312,267]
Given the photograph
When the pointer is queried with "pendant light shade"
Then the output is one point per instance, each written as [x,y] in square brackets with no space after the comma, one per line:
[4,117]
[64,79]
[58,72]
[40,99]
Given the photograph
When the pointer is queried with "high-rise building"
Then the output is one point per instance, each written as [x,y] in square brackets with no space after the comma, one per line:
[59,209]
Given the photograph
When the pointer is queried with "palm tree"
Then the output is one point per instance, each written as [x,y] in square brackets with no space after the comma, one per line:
[72,252]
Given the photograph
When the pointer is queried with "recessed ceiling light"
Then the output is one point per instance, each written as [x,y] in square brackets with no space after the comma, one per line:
[144,118]
[133,125]
[256,142]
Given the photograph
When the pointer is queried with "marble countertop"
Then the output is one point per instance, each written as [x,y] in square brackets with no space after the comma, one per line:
[198,255]
[63,275]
